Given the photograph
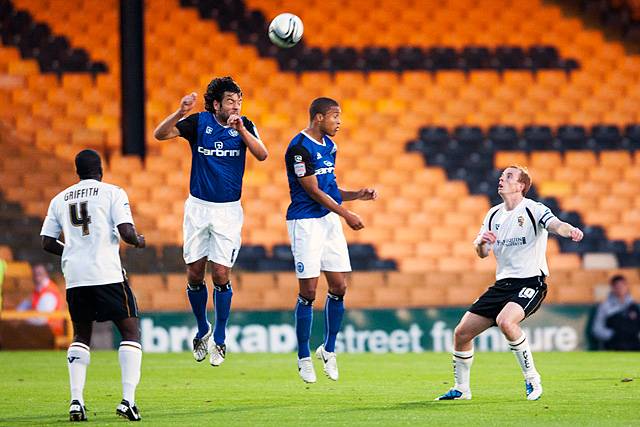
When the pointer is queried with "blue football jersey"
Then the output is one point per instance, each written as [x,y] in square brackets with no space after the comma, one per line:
[305,157]
[218,156]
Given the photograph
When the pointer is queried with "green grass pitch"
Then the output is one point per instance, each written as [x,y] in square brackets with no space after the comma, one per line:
[391,389]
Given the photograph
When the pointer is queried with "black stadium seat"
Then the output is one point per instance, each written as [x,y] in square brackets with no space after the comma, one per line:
[538,137]
[572,137]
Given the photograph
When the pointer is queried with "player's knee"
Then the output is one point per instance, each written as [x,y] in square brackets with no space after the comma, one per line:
[339,289]
[195,275]
[220,275]
[507,326]
[462,334]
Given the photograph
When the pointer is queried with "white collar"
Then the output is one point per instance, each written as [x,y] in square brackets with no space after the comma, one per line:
[313,139]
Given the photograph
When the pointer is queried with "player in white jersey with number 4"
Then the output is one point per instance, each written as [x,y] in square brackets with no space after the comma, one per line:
[516,231]
[93,216]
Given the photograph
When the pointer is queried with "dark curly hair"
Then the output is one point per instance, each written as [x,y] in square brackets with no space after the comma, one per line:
[216,89]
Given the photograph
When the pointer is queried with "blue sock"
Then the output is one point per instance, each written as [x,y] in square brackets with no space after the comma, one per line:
[198,295]
[333,311]
[222,300]
[303,318]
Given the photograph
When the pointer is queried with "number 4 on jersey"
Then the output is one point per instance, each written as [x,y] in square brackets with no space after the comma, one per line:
[83,220]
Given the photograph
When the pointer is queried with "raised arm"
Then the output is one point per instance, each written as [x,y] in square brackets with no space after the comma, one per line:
[167,128]
[253,143]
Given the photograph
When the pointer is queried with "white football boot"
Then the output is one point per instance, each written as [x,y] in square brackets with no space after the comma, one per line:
[534,388]
[217,353]
[200,346]
[306,371]
[329,361]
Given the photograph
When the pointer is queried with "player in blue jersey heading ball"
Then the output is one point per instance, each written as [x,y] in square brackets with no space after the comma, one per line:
[317,240]
[219,138]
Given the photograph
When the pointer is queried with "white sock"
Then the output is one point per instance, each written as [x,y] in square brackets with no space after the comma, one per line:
[521,350]
[462,361]
[78,358]
[130,357]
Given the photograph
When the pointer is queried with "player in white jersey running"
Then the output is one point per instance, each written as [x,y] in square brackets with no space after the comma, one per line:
[92,216]
[516,231]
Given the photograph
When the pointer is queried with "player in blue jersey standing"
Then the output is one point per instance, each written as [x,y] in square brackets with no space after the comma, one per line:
[317,240]
[219,138]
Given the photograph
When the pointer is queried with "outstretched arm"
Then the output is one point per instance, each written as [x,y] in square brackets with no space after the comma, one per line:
[167,128]
[362,194]
[565,229]
[310,185]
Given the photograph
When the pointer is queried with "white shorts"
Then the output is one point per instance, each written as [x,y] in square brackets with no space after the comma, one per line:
[318,244]
[212,230]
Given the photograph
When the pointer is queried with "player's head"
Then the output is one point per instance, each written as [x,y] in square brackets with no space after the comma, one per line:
[40,275]
[223,98]
[514,179]
[89,165]
[324,113]
[619,286]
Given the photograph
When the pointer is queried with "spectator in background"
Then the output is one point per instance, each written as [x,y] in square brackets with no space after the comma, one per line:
[617,321]
[45,298]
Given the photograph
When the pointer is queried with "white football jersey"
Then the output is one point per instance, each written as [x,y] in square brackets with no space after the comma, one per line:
[521,245]
[88,213]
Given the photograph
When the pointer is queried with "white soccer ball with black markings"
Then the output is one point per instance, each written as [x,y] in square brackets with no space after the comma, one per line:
[286,30]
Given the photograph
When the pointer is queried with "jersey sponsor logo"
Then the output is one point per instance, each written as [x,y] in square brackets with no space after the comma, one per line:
[218,151]
[208,130]
[520,220]
[300,169]
[233,132]
[323,171]
[514,241]
[300,267]
[318,156]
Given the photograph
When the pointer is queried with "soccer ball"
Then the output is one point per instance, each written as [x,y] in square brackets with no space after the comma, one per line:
[286,30]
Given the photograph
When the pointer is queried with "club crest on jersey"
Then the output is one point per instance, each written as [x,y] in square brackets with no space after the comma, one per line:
[318,156]
[297,158]
[328,163]
[233,132]
[520,220]
[208,130]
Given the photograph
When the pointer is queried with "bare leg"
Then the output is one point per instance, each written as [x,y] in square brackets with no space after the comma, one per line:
[509,323]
